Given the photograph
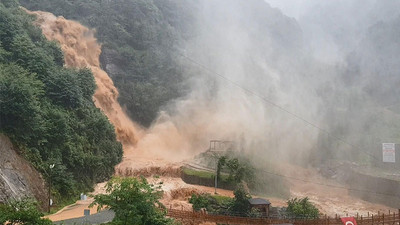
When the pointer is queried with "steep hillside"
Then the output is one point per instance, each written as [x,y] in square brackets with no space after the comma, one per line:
[136,39]
[47,110]
[144,44]
[194,71]
[142,41]
[17,176]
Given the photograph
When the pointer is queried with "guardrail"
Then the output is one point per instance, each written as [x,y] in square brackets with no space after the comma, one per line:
[197,217]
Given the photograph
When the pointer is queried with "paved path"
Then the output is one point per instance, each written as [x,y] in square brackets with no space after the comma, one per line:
[98,218]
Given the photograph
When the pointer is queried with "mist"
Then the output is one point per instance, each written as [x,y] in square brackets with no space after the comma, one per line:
[300,82]
[334,28]
[306,90]
[240,42]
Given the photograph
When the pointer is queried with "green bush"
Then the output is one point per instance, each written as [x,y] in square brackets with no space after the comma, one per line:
[240,204]
[302,207]
[215,204]
[199,201]
[23,212]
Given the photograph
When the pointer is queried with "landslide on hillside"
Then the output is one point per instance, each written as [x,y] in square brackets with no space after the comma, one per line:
[81,50]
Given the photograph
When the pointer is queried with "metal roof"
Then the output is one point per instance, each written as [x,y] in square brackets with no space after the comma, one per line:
[259,201]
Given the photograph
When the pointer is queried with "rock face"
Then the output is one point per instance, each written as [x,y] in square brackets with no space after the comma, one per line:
[17,177]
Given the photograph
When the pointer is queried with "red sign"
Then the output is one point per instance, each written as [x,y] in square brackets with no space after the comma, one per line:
[349,221]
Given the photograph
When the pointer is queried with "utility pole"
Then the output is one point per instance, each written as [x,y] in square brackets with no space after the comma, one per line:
[216,178]
[216,168]
[215,148]
[50,177]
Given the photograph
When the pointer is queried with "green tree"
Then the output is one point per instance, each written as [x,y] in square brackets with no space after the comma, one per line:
[240,204]
[86,83]
[23,212]
[20,92]
[238,170]
[3,54]
[26,54]
[302,207]
[134,201]
[220,164]
[10,3]
[47,110]
[199,201]
[63,87]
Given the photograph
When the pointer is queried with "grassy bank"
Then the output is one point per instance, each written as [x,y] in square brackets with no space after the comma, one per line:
[203,174]
[206,178]
[264,184]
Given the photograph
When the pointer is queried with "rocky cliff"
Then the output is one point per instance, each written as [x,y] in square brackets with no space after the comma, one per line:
[17,177]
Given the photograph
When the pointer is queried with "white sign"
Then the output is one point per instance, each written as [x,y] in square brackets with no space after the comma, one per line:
[388,150]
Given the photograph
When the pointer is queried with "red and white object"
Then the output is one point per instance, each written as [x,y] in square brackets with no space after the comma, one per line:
[348,221]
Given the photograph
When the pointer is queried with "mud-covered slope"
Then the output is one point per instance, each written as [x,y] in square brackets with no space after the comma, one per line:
[17,177]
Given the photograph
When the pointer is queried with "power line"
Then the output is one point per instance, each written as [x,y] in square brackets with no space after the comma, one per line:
[246,90]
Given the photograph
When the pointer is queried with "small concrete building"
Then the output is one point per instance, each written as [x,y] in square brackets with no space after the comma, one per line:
[261,205]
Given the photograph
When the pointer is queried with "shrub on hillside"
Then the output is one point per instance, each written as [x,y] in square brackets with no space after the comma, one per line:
[22,212]
[302,207]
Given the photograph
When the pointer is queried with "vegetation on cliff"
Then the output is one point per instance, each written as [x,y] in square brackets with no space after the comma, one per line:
[137,39]
[47,110]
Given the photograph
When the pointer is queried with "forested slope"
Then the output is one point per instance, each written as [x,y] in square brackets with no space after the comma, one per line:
[47,109]
[142,42]
[138,37]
